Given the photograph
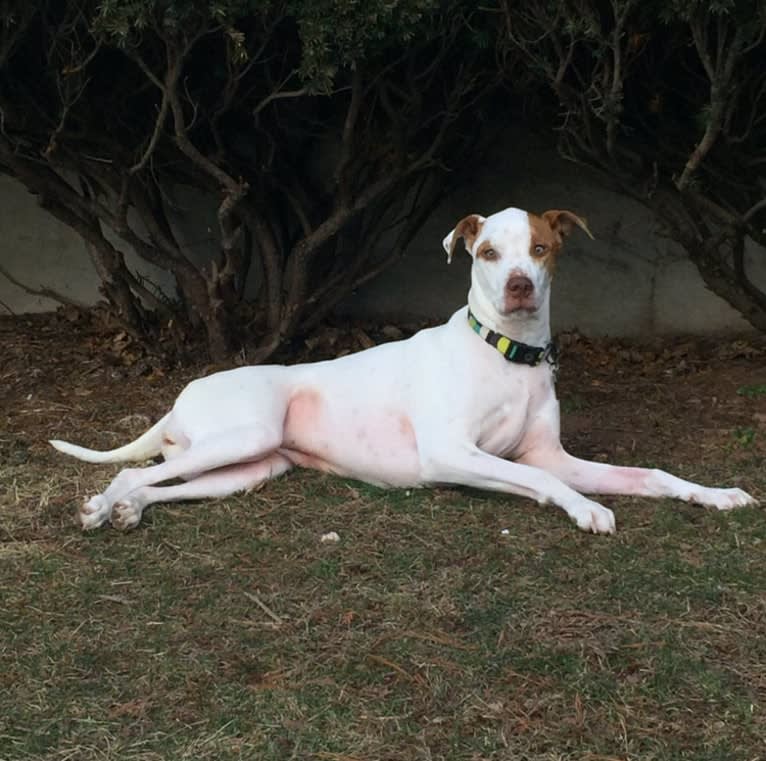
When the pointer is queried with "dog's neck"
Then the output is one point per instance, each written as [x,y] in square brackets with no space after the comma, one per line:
[529,328]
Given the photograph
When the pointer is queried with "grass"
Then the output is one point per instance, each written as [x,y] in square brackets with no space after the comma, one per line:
[745,436]
[446,625]
[753,390]
[229,631]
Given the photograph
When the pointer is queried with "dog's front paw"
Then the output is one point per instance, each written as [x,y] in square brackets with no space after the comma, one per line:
[126,513]
[724,499]
[590,516]
[94,513]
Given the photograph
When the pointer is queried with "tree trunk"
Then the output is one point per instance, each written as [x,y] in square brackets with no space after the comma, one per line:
[209,310]
[111,270]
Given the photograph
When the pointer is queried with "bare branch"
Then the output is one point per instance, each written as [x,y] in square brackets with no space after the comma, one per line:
[270,259]
[347,137]
[348,279]
[698,28]
[754,209]
[150,75]
[156,134]
[279,95]
[754,118]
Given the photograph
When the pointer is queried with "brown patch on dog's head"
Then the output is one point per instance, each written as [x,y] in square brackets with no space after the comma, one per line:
[548,232]
[487,251]
[468,229]
[563,222]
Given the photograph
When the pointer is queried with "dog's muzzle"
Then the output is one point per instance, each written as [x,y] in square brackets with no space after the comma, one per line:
[519,287]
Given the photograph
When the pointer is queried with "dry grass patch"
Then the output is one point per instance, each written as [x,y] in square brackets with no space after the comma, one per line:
[228,630]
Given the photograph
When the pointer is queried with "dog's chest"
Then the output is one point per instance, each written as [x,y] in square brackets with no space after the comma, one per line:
[509,417]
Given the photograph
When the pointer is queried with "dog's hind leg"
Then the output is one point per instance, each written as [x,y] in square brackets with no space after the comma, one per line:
[127,511]
[250,443]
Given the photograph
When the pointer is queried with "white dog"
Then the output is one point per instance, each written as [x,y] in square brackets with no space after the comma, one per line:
[469,402]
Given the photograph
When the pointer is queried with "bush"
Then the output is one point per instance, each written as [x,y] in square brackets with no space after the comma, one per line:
[669,100]
[318,125]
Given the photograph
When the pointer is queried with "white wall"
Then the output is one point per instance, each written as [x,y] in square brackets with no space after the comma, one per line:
[629,281]
[39,251]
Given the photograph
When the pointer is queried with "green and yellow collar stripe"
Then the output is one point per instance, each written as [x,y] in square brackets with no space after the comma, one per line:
[515,351]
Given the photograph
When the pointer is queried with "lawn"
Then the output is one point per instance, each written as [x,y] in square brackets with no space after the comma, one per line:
[445,624]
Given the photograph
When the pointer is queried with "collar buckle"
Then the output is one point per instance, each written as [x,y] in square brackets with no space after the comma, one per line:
[551,356]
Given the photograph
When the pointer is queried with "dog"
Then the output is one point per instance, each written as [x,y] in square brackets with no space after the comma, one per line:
[470,402]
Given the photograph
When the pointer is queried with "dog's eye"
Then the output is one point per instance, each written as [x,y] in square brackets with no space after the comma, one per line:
[490,253]
[540,249]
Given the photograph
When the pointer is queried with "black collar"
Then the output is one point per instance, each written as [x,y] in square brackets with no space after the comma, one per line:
[516,351]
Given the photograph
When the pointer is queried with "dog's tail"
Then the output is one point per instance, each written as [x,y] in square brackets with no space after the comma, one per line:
[146,445]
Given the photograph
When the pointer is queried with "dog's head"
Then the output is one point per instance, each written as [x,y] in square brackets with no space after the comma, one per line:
[514,254]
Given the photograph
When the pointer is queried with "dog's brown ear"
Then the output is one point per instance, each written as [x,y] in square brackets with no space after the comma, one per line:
[563,222]
[467,228]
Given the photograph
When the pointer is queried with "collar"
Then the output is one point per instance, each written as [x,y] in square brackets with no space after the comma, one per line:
[516,351]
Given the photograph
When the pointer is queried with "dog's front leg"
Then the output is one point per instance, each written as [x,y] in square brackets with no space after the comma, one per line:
[600,478]
[467,465]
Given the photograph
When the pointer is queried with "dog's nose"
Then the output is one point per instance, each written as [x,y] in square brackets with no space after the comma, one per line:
[520,287]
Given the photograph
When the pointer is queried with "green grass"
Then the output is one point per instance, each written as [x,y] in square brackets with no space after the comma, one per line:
[745,436]
[425,633]
[752,391]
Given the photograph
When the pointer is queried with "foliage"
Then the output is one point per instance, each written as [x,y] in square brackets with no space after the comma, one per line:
[334,34]
[320,127]
[324,130]
[669,99]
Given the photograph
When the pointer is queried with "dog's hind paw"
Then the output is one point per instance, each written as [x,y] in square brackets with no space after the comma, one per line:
[126,514]
[93,513]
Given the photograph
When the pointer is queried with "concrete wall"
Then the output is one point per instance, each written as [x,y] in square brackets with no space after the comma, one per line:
[629,281]
[38,250]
